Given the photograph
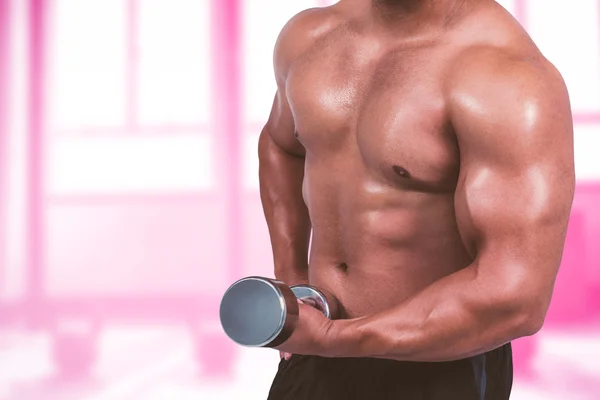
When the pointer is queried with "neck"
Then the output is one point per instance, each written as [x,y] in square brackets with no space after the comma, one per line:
[416,14]
[399,7]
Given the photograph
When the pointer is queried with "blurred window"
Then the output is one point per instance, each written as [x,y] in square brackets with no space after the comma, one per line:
[174,49]
[129,96]
[87,57]
[567,33]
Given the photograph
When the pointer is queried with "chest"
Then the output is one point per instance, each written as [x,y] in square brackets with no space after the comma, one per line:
[348,97]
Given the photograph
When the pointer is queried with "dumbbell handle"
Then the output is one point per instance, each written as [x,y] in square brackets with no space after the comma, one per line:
[317,298]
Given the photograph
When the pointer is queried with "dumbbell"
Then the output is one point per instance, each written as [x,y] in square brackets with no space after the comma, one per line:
[263,312]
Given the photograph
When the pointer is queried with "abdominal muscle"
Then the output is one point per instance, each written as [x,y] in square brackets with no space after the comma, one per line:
[373,251]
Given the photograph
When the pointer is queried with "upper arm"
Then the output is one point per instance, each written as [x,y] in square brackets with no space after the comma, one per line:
[513,125]
[293,40]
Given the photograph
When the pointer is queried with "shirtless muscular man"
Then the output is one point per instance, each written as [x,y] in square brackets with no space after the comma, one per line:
[427,145]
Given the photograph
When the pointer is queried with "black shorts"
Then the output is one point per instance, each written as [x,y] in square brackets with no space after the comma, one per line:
[484,377]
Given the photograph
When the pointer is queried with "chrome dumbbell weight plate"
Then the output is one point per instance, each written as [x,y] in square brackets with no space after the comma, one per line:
[259,312]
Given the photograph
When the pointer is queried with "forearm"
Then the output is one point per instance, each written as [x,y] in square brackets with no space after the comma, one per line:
[457,317]
[281,175]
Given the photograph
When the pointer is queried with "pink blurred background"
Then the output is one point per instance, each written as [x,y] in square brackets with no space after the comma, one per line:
[129,197]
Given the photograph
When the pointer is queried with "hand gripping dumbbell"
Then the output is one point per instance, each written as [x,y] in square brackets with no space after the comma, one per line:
[263,312]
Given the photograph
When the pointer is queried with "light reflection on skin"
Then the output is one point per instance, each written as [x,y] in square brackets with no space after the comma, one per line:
[539,192]
[475,107]
[535,197]
[530,109]
[338,99]
[374,188]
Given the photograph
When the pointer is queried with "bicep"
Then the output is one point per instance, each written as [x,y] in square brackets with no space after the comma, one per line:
[515,188]
[514,216]
[280,128]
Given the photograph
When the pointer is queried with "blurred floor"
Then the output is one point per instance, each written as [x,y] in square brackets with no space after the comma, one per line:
[145,363]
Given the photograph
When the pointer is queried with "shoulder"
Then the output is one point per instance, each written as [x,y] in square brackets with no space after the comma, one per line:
[485,69]
[508,91]
[301,32]
[498,67]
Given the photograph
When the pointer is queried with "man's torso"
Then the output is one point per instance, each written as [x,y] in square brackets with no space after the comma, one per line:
[382,161]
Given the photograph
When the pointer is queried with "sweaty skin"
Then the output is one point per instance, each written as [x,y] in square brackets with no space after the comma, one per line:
[429,146]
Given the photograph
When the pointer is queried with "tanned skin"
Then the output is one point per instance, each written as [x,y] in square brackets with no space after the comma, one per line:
[429,146]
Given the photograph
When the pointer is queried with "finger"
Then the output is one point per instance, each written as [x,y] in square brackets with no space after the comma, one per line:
[287,356]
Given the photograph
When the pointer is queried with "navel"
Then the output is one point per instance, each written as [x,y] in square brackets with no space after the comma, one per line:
[401,172]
